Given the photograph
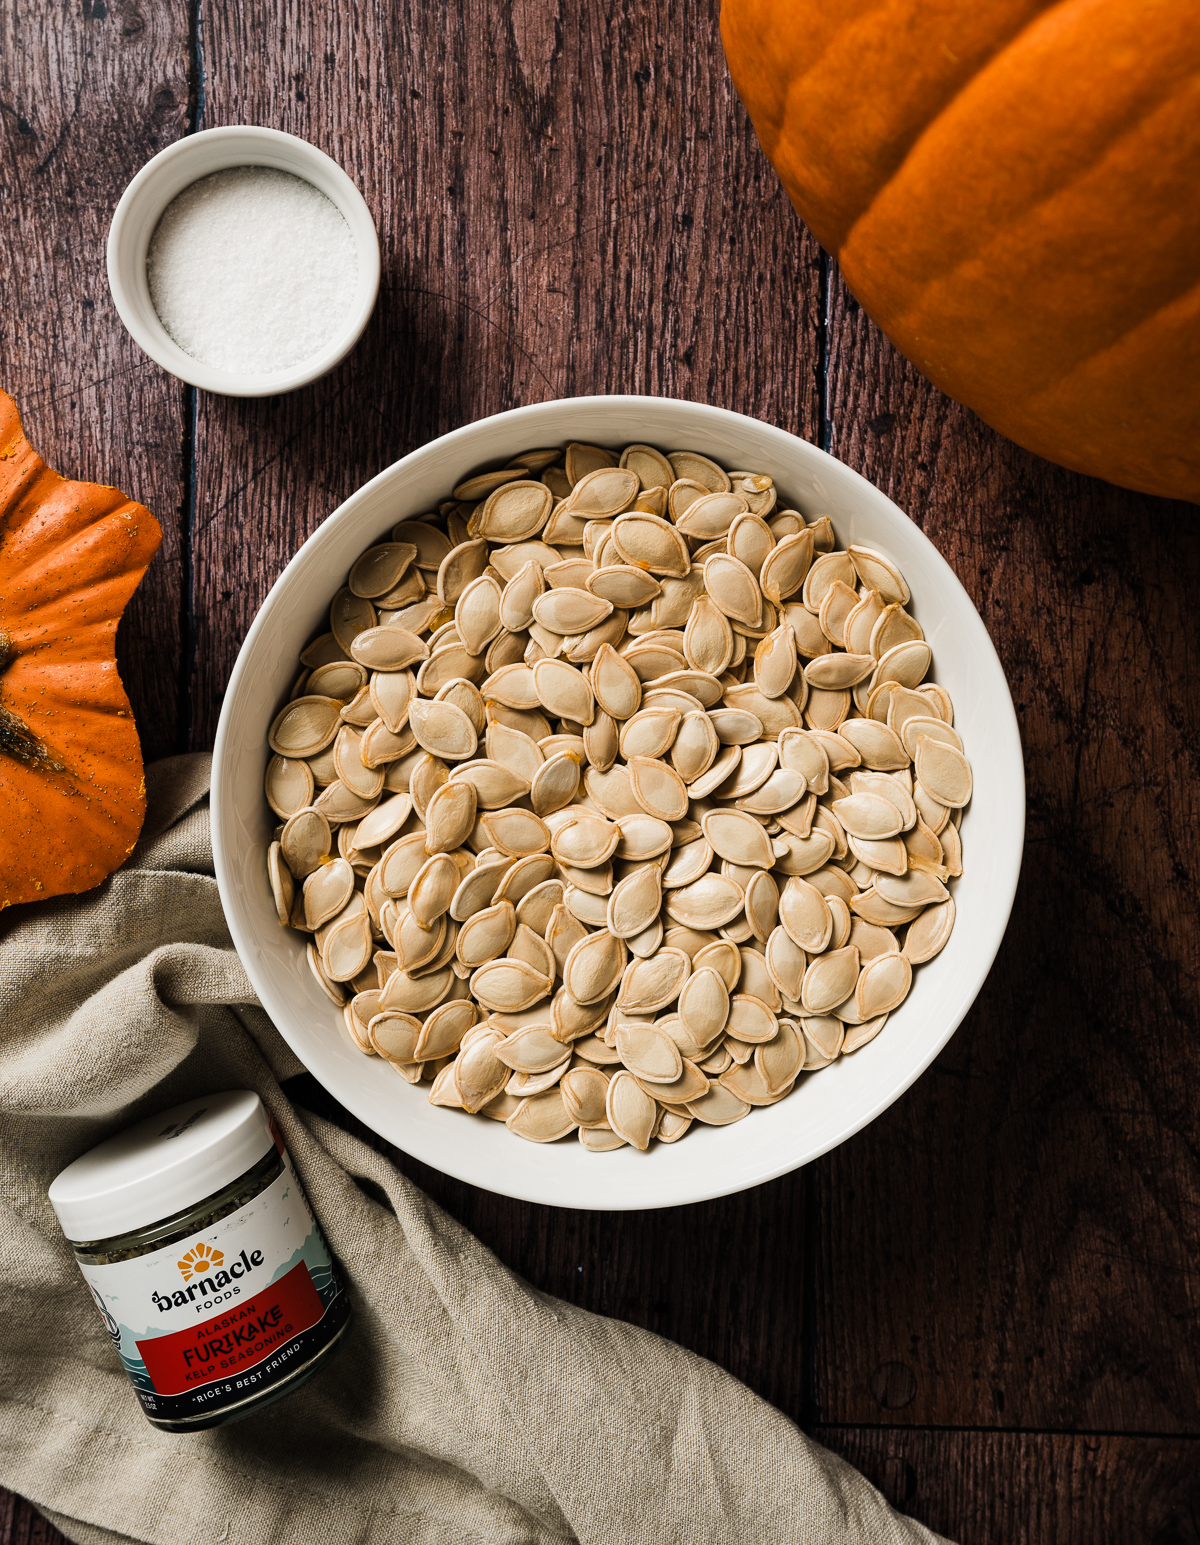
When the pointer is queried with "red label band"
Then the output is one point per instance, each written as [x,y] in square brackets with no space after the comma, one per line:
[236,1339]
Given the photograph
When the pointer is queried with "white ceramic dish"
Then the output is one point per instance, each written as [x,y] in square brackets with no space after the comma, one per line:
[163,179]
[826,1107]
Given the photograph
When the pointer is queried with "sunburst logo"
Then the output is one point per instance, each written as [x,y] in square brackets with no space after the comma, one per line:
[199,1260]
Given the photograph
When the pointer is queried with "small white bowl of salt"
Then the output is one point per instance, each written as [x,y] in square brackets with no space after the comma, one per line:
[244,261]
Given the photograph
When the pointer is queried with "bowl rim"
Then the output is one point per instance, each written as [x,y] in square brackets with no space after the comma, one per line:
[1003,896]
[176,168]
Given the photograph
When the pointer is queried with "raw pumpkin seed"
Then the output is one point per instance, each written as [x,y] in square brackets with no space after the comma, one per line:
[541,1118]
[531,1049]
[775,661]
[391,697]
[594,967]
[943,771]
[745,1082]
[928,933]
[349,615]
[690,1085]
[600,1139]
[826,571]
[651,984]
[305,726]
[355,775]
[442,729]
[720,1107]
[323,650]
[711,515]
[877,572]
[283,886]
[563,691]
[647,541]
[630,1111]
[585,1095]
[829,980]
[750,1020]
[779,1060]
[416,945]
[635,901]
[533,950]
[347,947]
[658,788]
[709,902]
[305,842]
[585,841]
[526,1084]
[834,616]
[623,586]
[615,683]
[519,833]
[388,648]
[326,891]
[738,837]
[495,786]
[786,566]
[522,876]
[486,934]
[289,786]
[507,985]
[555,784]
[513,512]
[649,1053]
[432,889]
[568,610]
[733,589]
[905,663]
[380,569]
[699,469]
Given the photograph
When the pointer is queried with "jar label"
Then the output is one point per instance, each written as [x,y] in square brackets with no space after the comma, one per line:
[219,1317]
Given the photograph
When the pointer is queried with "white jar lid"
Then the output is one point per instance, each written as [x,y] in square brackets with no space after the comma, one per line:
[162,1166]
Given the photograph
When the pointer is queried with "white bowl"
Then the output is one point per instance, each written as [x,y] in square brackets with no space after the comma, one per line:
[826,1107]
[165,177]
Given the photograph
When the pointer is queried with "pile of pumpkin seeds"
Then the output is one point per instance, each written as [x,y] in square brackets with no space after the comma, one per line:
[616,797]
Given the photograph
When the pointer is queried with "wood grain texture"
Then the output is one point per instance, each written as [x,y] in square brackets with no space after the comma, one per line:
[21,1524]
[73,80]
[1008,1488]
[563,194]
[1033,1203]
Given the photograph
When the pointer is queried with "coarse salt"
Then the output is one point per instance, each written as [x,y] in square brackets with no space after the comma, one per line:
[252,270]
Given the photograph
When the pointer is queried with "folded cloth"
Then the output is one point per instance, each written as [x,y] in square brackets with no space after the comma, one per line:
[463,1406]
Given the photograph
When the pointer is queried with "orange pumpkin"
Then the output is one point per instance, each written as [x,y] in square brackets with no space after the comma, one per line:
[72,793]
[1011,190]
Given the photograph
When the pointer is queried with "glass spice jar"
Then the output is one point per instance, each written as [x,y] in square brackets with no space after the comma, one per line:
[212,1276]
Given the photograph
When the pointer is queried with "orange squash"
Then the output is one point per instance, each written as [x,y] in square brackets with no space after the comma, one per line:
[72,792]
[1011,190]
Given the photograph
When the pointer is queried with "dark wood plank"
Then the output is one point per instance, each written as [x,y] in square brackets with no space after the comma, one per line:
[1017,1242]
[1007,1488]
[569,200]
[22,1524]
[88,93]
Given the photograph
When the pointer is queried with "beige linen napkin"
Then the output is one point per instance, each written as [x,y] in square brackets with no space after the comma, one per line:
[463,1406]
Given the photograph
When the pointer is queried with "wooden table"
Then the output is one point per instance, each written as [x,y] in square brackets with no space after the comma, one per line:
[989,1300]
